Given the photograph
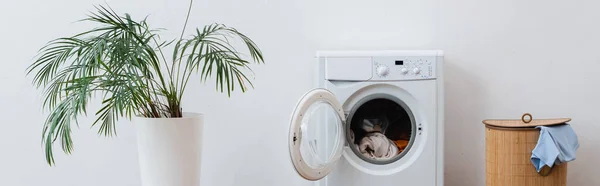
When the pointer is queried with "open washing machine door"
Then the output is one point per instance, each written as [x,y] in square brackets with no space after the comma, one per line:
[316,134]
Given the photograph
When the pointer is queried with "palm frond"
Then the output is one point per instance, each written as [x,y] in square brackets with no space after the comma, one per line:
[121,61]
[210,49]
[116,60]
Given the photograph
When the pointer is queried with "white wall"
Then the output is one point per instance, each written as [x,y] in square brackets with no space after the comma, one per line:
[503,58]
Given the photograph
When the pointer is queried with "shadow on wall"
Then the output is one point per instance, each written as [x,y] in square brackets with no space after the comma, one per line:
[464,155]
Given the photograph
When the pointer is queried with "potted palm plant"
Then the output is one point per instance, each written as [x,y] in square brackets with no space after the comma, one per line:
[124,62]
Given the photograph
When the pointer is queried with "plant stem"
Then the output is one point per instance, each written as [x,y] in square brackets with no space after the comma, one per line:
[187,17]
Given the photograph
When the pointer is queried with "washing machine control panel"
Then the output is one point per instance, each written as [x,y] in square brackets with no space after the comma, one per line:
[404,68]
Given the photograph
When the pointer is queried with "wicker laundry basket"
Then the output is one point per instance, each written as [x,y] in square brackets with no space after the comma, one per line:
[508,146]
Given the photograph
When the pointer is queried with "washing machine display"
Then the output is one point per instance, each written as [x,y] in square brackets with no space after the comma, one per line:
[376,118]
[404,68]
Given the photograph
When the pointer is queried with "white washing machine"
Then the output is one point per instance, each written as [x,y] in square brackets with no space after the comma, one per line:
[399,91]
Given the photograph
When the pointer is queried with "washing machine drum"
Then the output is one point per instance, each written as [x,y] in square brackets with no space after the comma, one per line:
[379,130]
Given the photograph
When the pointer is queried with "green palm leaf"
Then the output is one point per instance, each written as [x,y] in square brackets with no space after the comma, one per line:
[122,61]
[210,50]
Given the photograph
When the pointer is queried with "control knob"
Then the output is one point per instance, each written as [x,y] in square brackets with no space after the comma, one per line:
[383,70]
[404,70]
[416,70]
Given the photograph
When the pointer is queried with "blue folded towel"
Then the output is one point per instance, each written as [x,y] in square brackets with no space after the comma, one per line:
[557,144]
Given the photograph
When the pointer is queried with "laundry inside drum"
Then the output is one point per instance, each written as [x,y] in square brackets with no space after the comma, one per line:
[381,130]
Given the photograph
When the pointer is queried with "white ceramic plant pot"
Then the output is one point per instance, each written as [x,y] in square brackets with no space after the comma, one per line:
[170,149]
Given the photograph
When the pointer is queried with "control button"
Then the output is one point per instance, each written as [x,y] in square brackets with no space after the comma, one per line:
[404,70]
[416,70]
[383,70]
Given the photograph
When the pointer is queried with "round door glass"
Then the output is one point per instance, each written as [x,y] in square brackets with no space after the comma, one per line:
[321,135]
[381,129]
[316,134]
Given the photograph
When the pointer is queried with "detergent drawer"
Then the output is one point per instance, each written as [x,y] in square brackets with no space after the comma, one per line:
[348,68]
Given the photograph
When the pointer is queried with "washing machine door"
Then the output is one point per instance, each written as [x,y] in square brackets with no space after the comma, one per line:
[316,134]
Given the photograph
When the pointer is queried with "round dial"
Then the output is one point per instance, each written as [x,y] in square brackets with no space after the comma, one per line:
[416,70]
[404,70]
[382,70]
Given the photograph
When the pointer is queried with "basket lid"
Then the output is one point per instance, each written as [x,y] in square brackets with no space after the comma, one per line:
[526,121]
